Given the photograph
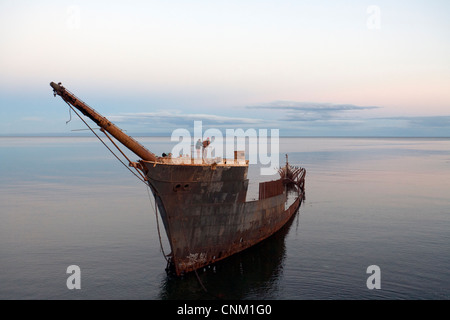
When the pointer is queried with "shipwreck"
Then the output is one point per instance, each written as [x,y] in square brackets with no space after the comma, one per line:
[202,204]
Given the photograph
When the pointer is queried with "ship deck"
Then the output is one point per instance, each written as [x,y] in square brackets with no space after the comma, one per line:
[183,161]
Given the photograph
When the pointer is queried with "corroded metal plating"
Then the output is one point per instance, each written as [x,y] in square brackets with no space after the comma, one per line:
[205,214]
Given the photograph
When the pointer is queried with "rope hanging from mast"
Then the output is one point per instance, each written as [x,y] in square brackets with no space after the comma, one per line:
[101,140]
[70,115]
[103,122]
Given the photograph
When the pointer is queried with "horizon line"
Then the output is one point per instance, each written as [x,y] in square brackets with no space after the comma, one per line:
[59,135]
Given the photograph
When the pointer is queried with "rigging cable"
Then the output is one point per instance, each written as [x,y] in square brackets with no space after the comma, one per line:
[106,145]
[117,147]
[157,224]
[140,178]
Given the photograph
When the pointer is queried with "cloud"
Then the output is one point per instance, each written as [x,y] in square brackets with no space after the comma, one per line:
[178,119]
[423,121]
[294,118]
[312,111]
[310,106]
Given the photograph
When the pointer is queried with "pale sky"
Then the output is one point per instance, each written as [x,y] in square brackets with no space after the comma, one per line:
[308,68]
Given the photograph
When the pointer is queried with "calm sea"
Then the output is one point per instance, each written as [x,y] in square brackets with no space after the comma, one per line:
[369,201]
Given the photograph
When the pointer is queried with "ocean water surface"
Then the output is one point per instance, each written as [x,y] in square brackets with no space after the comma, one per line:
[369,201]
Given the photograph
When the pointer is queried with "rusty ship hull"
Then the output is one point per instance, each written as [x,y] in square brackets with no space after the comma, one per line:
[205,214]
[203,203]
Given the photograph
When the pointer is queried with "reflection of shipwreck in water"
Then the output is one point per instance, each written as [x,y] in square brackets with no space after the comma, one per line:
[203,205]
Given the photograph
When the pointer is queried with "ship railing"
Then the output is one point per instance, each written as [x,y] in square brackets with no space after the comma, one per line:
[270,189]
[187,160]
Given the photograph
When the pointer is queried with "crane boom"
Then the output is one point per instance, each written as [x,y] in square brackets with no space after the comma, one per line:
[103,122]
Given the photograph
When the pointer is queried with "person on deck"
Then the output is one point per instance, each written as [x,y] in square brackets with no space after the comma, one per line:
[206,143]
[198,146]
